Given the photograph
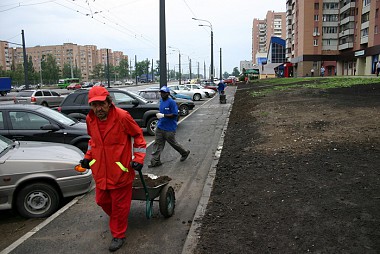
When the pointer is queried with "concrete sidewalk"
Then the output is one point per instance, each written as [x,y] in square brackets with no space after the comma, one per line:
[82,227]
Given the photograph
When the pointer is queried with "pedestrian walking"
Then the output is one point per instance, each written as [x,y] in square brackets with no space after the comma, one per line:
[312,72]
[166,129]
[221,86]
[322,71]
[109,156]
[378,68]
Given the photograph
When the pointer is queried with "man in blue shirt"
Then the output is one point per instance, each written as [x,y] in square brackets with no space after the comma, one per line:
[166,129]
[221,86]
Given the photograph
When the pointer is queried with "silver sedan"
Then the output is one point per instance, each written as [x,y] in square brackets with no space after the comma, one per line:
[35,176]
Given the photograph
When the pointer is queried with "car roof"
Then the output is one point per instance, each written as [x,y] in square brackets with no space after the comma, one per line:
[20,106]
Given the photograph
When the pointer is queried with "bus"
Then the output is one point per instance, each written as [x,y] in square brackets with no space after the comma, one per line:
[64,83]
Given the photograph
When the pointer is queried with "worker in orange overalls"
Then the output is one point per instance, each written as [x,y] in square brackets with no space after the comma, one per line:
[109,156]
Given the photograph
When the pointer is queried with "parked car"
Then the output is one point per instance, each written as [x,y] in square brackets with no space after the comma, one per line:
[129,82]
[47,98]
[210,85]
[87,84]
[153,94]
[38,175]
[38,123]
[74,86]
[180,96]
[196,95]
[20,88]
[209,92]
[144,112]
[230,80]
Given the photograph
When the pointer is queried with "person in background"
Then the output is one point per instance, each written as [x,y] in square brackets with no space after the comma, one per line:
[166,129]
[312,72]
[109,156]
[322,71]
[221,86]
[378,68]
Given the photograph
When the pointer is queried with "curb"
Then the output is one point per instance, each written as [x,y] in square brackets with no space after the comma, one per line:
[193,235]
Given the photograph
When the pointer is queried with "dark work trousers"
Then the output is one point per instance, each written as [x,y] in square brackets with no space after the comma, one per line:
[159,144]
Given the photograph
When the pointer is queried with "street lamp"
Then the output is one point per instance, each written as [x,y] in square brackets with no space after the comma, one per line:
[212,46]
[179,62]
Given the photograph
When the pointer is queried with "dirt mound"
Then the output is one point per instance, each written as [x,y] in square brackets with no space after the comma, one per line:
[298,173]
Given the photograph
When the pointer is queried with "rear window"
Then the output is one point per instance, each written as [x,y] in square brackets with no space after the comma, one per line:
[24,94]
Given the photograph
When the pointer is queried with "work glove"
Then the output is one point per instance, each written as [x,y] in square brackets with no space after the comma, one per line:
[85,163]
[160,115]
[137,166]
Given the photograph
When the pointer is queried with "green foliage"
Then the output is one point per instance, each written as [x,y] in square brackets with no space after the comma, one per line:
[287,84]
[123,69]
[235,72]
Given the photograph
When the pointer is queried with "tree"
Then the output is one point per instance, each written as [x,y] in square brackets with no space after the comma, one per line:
[98,72]
[141,67]
[236,72]
[123,69]
[50,69]
[226,74]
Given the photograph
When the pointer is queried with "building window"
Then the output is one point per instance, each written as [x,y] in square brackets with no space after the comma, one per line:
[316,6]
[316,17]
[364,32]
[366,2]
[315,42]
[376,29]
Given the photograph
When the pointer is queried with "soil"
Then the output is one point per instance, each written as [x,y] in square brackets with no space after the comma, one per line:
[150,180]
[298,173]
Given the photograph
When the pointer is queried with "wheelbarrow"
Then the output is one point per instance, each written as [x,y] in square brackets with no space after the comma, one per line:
[164,192]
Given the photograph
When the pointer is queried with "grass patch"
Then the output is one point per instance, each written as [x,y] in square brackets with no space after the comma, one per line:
[285,84]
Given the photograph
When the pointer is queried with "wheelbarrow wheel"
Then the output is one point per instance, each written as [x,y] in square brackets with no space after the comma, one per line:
[167,201]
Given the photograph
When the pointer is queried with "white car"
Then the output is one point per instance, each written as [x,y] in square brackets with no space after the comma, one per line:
[209,92]
[195,94]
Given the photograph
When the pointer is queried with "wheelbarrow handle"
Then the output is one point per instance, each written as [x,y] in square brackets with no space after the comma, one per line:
[144,185]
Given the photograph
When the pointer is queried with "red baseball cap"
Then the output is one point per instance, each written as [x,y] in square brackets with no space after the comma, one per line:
[97,93]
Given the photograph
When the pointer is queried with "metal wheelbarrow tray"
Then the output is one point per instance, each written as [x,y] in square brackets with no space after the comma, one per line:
[164,192]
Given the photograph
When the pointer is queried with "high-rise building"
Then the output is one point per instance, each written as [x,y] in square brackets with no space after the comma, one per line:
[84,58]
[340,35]
[264,30]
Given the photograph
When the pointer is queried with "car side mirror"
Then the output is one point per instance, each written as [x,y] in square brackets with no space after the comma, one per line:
[135,102]
[50,127]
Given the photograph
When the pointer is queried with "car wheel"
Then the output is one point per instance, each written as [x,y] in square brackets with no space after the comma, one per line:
[197,97]
[37,200]
[45,104]
[152,125]
[183,110]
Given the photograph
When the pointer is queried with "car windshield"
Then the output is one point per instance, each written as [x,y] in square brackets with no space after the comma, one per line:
[56,115]
[5,143]
[25,93]
[140,97]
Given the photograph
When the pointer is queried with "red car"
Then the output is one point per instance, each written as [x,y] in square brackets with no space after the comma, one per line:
[230,80]
[74,86]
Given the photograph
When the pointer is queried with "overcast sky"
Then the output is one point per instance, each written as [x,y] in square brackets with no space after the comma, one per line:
[132,26]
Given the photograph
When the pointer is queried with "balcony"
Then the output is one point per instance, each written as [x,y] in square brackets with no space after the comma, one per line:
[364,40]
[347,6]
[346,45]
[347,19]
[364,25]
[346,32]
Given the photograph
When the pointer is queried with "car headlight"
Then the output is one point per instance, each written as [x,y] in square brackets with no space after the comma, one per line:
[80,169]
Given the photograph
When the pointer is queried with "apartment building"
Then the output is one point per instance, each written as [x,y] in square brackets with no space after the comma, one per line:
[263,30]
[340,35]
[83,57]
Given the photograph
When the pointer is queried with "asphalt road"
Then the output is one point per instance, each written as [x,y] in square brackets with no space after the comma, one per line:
[83,227]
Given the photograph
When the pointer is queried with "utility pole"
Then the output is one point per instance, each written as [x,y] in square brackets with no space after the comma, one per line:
[152,72]
[25,61]
[162,44]
[136,68]
[108,70]
[198,71]
[204,70]
[191,76]
[220,63]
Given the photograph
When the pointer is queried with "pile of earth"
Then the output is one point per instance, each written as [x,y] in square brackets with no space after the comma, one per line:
[150,180]
[298,173]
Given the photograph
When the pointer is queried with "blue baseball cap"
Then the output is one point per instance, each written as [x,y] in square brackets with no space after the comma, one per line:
[165,89]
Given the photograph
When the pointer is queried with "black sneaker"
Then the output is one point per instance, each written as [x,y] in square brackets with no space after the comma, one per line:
[157,164]
[184,157]
[116,244]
